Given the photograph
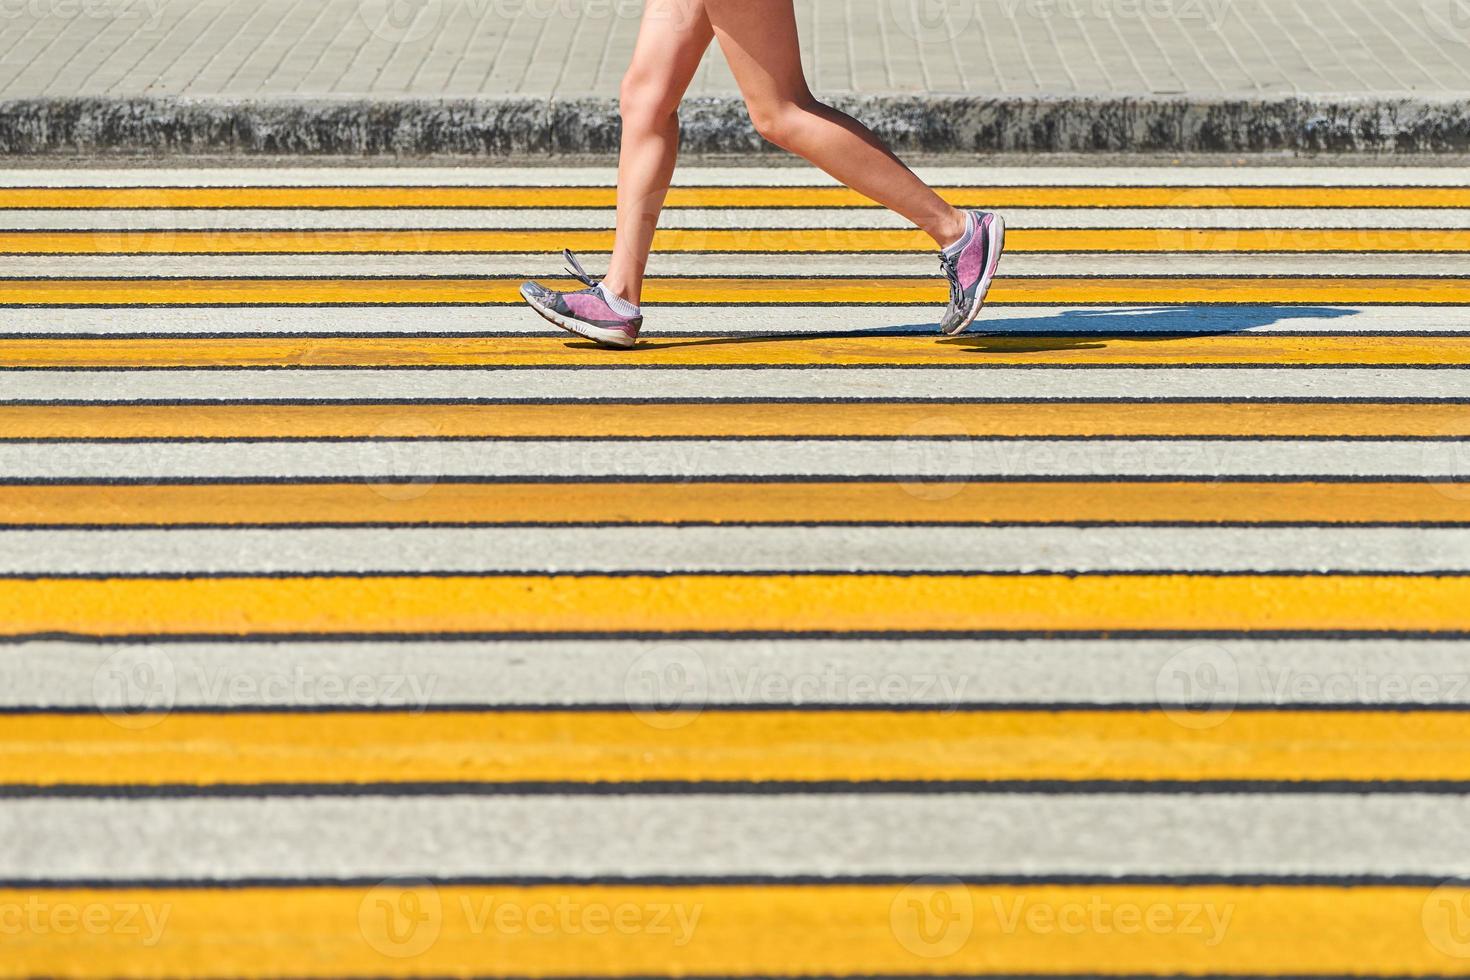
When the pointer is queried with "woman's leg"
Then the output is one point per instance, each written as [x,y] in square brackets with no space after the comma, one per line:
[758,38]
[671,39]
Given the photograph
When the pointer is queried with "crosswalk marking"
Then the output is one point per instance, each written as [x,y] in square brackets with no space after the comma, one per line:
[739,384]
[832,351]
[1022,265]
[784,835]
[722,603]
[689,224]
[140,239]
[749,550]
[322,562]
[917,461]
[399,197]
[981,419]
[758,930]
[1099,291]
[829,746]
[694,502]
[744,321]
[941,673]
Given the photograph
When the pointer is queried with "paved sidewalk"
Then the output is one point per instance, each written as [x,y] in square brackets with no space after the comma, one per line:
[576,48]
[371,76]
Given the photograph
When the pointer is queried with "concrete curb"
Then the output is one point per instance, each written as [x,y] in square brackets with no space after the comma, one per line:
[529,127]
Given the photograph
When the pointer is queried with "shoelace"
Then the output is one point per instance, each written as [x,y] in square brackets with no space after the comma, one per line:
[950,265]
[575,270]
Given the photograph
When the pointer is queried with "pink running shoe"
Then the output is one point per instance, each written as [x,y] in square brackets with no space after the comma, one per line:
[593,313]
[970,267]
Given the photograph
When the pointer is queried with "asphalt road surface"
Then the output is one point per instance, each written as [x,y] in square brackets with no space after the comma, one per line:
[356,622]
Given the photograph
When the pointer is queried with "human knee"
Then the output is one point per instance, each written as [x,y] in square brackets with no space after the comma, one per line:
[779,122]
[644,102]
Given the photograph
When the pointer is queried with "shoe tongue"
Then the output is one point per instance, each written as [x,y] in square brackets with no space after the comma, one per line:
[954,249]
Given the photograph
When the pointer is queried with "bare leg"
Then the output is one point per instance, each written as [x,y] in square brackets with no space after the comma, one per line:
[758,38]
[671,39]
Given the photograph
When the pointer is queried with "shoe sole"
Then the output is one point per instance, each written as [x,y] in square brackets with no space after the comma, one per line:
[604,338]
[997,246]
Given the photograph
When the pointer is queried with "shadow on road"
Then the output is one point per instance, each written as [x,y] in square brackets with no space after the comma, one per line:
[1092,329]
[1166,319]
[1079,329]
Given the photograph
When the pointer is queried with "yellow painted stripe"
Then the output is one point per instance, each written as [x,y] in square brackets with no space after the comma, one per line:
[810,292]
[153,241]
[727,197]
[656,503]
[924,928]
[409,420]
[977,349]
[621,746]
[728,603]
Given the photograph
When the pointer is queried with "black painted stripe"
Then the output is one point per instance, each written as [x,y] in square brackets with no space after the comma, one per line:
[805,707]
[925,478]
[729,788]
[813,881]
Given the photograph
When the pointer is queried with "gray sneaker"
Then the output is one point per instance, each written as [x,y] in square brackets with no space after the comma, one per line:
[971,271]
[586,312]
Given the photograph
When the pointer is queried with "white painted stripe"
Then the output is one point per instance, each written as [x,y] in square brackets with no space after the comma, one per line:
[125,222]
[768,174]
[423,673]
[676,320]
[529,266]
[404,550]
[910,834]
[775,458]
[761,383]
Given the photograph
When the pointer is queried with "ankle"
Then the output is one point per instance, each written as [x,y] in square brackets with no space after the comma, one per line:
[625,291]
[950,230]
